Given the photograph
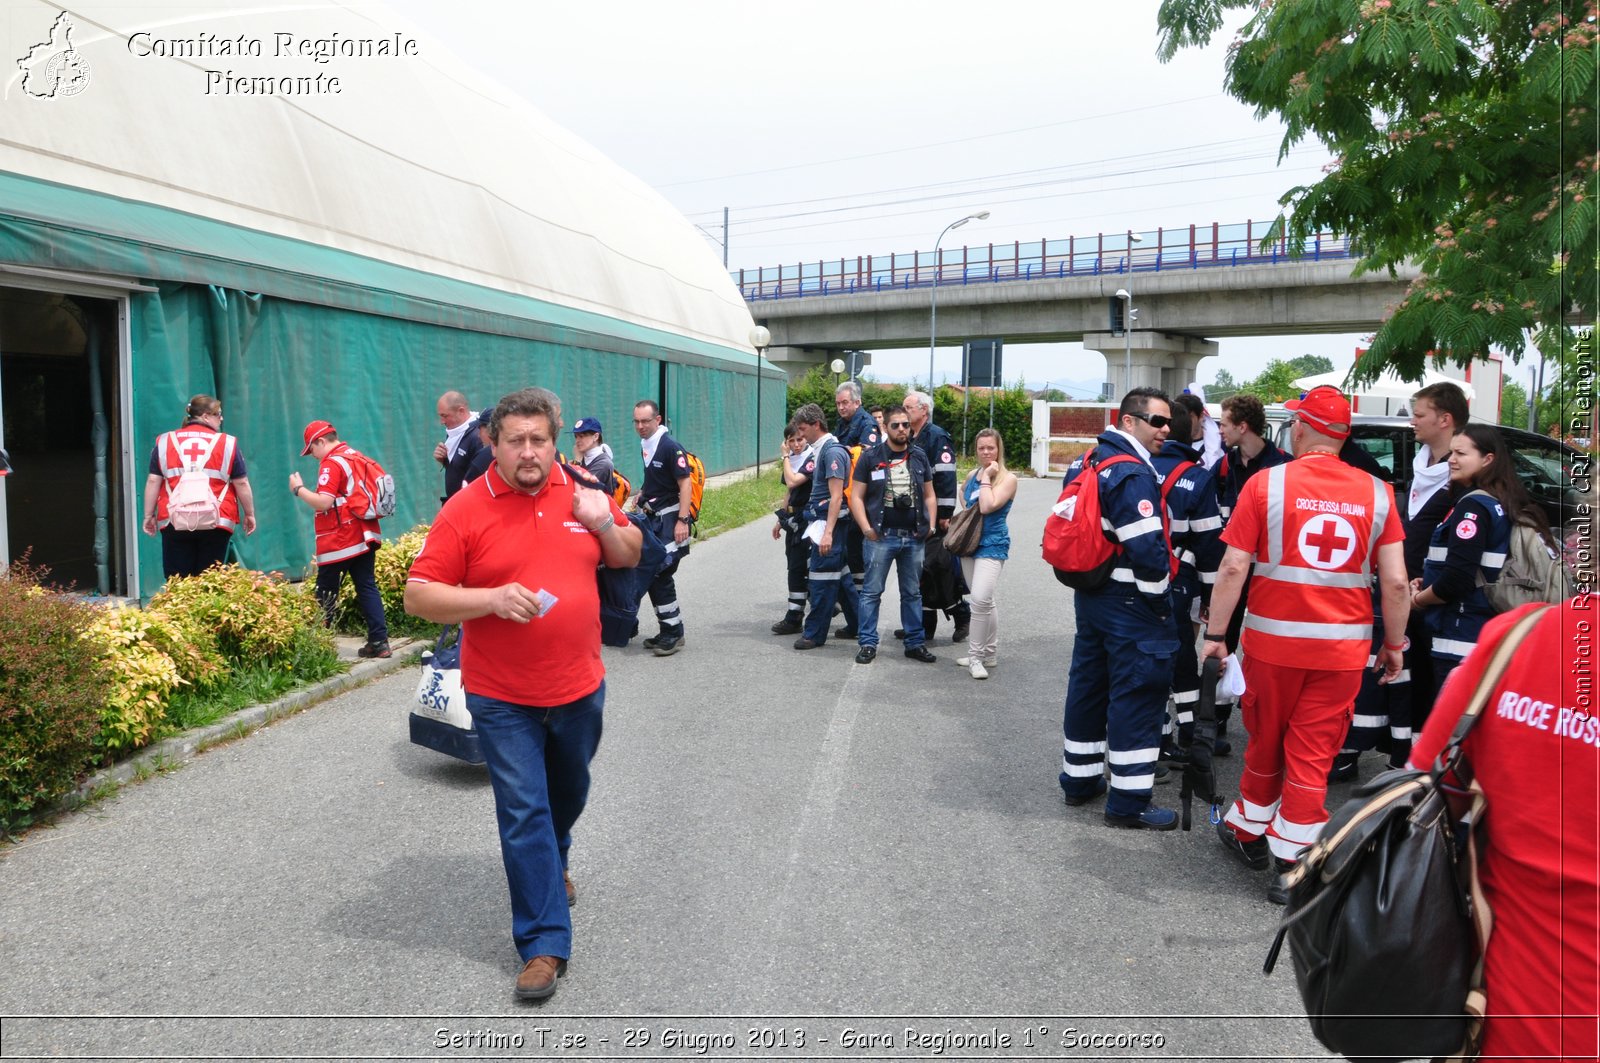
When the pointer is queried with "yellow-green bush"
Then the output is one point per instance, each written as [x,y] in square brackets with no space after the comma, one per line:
[254,617]
[390,569]
[142,675]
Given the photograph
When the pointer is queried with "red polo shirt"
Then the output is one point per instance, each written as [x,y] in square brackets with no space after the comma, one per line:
[488,535]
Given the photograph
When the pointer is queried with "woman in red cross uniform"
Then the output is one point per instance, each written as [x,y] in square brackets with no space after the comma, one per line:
[200,447]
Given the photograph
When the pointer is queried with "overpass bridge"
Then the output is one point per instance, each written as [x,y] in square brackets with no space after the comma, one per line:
[1189,287]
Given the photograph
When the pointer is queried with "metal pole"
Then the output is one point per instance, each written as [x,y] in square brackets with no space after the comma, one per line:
[1127,345]
[933,299]
[725,241]
[933,310]
[1533,394]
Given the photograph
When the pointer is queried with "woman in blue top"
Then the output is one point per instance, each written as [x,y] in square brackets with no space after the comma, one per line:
[1469,546]
[991,488]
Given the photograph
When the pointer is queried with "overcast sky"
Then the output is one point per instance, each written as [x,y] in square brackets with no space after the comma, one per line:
[836,129]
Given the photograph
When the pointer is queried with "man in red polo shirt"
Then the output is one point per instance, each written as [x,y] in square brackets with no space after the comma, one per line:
[512,558]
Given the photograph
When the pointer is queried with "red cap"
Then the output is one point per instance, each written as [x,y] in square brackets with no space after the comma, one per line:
[1324,409]
[315,431]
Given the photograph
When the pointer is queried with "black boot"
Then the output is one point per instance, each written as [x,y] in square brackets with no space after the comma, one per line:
[1278,892]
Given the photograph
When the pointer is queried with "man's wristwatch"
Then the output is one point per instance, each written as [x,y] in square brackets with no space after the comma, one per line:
[1216,638]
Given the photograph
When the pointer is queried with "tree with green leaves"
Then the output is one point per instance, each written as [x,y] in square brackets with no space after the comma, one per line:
[1311,365]
[1276,382]
[1221,387]
[1464,140]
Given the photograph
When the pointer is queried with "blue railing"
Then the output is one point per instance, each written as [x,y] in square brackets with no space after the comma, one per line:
[1197,247]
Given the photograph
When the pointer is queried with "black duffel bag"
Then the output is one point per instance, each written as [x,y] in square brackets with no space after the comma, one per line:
[1385,921]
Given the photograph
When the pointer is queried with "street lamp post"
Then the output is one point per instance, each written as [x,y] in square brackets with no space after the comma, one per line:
[759,338]
[1128,313]
[933,305]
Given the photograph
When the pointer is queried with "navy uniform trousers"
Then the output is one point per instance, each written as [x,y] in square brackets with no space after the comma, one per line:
[1122,662]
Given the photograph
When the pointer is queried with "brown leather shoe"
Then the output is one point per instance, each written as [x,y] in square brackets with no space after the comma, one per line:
[572,891]
[538,978]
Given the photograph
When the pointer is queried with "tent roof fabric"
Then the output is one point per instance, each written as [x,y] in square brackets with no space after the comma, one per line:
[416,162]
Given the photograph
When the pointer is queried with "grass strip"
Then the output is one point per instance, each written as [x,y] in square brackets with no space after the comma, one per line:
[737,504]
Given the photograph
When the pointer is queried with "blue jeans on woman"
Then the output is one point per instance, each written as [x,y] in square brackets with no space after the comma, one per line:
[903,548]
[538,761]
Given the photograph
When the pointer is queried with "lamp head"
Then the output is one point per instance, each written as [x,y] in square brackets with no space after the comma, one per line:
[1136,238]
[1122,293]
[982,215]
[760,337]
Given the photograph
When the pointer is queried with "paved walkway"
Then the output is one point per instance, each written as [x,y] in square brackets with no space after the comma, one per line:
[777,842]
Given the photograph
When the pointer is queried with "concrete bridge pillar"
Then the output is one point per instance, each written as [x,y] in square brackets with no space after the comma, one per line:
[1158,359]
[798,361]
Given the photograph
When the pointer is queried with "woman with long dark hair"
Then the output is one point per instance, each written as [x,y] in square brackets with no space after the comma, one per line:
[1469,547]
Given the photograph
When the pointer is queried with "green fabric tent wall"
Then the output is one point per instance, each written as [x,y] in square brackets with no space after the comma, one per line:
[284,331]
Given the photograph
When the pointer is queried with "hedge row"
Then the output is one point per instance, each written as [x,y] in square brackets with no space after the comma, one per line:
[83,684]
[1013,410]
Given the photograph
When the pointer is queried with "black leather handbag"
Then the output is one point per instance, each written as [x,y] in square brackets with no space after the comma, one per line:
[1385,921]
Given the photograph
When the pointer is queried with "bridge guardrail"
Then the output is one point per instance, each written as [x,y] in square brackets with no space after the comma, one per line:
[1199,247]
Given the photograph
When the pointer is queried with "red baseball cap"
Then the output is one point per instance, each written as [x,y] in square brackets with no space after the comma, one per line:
[1324,409]
[315,431]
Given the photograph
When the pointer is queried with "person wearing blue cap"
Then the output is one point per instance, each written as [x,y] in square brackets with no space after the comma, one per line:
[593,453]
[485,456]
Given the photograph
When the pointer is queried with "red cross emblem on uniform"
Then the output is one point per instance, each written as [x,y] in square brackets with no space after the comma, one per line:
[194,450]
[1327,541]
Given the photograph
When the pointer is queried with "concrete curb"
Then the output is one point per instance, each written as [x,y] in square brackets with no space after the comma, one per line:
[180,749]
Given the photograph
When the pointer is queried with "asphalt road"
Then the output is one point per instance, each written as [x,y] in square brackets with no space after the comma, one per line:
[780,847]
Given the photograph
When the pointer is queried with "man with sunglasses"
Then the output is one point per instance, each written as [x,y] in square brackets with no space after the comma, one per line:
[893,507]
[1125,646]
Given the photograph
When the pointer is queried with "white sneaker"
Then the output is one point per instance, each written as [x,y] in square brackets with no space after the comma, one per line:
[977,670]
[966,662]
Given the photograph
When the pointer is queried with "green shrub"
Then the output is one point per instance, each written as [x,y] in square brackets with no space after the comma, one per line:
[392,566]
[142,676]
[254,617]
[51,691]
[1013,410]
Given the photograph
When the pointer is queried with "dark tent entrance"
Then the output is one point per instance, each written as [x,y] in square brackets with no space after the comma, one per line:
[62,421]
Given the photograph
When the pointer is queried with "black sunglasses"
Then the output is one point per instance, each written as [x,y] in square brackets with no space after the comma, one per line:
[1154,420]
[899,424]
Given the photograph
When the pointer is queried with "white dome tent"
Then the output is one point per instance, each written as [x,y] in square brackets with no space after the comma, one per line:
[311,212]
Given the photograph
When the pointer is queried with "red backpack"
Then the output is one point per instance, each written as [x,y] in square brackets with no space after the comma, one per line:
[1075,544]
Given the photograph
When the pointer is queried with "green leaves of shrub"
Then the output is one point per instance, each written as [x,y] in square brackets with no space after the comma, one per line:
[51,690]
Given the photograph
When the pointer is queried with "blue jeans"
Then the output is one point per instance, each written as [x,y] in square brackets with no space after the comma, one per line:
[901,545]
[538,762]
[1122,659]
[368,600]
[827,586]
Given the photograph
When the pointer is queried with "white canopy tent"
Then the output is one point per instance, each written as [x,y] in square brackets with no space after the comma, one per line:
[1387,386]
